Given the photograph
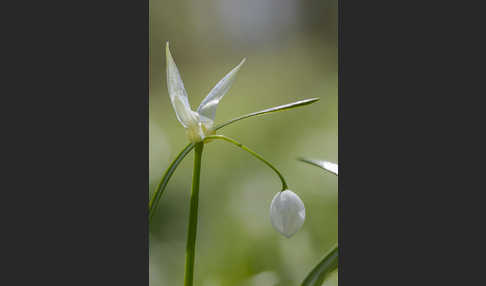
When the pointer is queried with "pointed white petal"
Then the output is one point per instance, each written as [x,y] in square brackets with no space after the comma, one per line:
[210,103]
[287,213]
[177,92]
[328,166]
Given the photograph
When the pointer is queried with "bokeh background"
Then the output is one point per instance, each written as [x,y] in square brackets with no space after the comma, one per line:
[291,51]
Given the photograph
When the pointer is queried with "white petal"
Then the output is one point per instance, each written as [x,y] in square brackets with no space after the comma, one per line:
[287,213]
[330,167]
[177,92]
[210,103]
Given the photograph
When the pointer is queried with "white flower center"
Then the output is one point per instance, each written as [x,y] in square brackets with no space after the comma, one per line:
[199,129]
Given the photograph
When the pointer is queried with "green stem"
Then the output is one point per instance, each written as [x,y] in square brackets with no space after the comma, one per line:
[234,142]
[328,264]
[192,228]
[165,179]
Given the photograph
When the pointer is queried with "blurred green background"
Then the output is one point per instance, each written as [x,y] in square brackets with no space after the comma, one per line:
[291,51]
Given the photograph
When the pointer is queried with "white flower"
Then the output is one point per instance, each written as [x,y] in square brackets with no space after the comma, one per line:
[287,213]
[198,123]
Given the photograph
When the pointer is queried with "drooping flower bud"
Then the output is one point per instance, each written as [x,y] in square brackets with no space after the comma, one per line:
[287,213]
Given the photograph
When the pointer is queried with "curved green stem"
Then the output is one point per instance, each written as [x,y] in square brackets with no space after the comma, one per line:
[321,270]
[165,179]
[234,142]
[192,227]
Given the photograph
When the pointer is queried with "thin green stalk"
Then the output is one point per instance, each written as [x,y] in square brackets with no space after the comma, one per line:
[192,228]
[234,142]
[165,179]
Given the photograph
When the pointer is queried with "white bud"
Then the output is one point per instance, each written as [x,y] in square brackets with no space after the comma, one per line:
[287,213]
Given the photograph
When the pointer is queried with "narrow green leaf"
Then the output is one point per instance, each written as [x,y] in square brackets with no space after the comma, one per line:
[269,110]
[325,165]
[165,179]
[328,264]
